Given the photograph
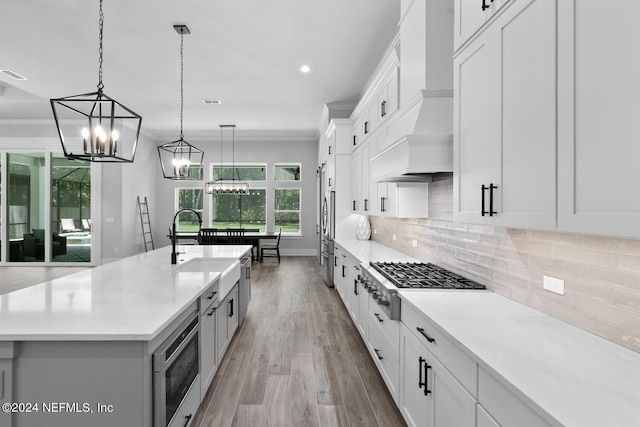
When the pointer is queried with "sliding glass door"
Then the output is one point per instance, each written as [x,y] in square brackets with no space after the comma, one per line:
[47,207]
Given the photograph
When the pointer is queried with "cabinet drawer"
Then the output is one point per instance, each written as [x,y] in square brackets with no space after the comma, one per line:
[389,329]
[384,358]
[208,297]
[454,358]
[504,406]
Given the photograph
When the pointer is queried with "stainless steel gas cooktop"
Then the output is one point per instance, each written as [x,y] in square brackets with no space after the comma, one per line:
[423,276]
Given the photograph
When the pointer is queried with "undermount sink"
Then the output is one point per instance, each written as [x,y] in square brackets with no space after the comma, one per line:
[229,269]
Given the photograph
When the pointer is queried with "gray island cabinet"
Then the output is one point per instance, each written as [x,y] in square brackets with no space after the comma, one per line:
[79,350]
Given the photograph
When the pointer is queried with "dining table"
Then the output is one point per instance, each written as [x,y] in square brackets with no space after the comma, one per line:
[252,236]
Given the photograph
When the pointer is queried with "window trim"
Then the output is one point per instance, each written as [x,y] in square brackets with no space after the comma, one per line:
[176,200]
[265,166]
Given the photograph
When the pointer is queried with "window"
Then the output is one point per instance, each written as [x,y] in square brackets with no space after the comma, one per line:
[248,172]
[240,211]
[189,198]
[287,172]
[287,210]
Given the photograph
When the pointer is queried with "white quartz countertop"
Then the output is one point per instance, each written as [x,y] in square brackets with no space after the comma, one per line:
[131,299]
[578,378]
[368,250]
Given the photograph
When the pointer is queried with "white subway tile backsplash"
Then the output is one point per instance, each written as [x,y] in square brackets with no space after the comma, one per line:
[601,274]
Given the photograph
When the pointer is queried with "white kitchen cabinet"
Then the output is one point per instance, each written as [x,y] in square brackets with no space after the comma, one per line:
[363,318]
[226,321]
[384,356]
[430,395]
[502,405]
[483,419]
[208,331]
[403,199]
[6,380]
[360,182]
[505,120]
[471,15]
[598,114]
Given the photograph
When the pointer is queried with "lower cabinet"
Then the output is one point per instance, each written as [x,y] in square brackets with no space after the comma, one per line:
[208,355]
[226,321]
[429,394]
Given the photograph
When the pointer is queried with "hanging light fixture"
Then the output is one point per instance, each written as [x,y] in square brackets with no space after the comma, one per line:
[229,186]
[95,127]
[179,159]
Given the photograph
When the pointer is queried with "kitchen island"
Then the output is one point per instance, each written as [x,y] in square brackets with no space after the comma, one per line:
[77,350]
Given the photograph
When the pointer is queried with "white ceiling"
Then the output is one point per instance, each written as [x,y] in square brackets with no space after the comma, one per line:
[246,53]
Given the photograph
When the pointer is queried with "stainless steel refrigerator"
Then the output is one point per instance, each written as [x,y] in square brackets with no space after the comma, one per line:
[328,234]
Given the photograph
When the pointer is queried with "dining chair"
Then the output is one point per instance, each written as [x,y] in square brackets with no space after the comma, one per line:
[235,236]
[208,236]
[273,249]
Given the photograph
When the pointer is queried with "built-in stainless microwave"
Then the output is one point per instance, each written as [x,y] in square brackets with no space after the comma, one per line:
[176,372]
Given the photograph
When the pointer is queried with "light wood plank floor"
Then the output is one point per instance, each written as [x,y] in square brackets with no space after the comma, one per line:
[297,360]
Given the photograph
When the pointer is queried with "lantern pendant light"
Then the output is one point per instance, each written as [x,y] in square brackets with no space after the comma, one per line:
[229,186]
[179,159]
[95,127]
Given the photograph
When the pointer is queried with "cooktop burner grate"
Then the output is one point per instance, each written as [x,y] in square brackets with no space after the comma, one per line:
[423,275]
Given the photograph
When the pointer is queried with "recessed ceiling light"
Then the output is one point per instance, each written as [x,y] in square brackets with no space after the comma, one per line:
[212,101]
[305,69]
[13,74]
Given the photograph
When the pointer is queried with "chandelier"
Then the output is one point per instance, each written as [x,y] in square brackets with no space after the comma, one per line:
[228,186]
[179,159]
[95,127]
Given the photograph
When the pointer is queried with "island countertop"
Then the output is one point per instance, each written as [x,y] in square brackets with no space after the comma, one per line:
[131,299]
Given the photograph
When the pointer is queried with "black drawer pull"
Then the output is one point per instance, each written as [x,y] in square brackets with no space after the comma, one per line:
[421,383]
[419,329]
[491,188]
[380,319]
[213,310]
[187,419]
[378,354]
[426,386]
[485,5]
[213,294]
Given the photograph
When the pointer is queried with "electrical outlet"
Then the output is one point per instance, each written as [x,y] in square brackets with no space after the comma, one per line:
[414,243]
[394,237]
[553,285]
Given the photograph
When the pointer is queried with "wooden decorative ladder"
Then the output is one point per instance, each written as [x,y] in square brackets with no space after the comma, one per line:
[145,222]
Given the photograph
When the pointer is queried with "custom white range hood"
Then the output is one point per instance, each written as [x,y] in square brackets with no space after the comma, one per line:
[419,144]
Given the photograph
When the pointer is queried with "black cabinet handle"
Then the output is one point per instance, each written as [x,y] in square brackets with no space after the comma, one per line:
[329,182]
[485,5]
[426,376]
[213,294]
[491,188]
[354,140]
[383,109]
[482,211]
[355,287]
[213,310]
[343,275]
[329,149]
[248,275]
[366,127]
[421,383]
[424,334]
[378,354]
[231,309]
[335,261]
[187,419]
[383,203]
[366,204]
[354,205]
[380,319]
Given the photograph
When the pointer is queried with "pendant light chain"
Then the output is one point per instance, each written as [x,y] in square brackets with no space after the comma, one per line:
[181,81]
[101,26]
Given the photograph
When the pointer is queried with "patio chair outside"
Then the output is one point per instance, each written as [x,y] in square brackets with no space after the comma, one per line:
[68,225]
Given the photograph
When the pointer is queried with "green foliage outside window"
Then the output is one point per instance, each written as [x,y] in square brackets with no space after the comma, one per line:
[287,210]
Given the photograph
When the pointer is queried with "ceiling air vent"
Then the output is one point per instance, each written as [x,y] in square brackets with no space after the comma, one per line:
[13,74]
[212,101]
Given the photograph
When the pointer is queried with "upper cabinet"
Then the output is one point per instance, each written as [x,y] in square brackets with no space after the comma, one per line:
[505,120]
[545,112]
[598,110]
[471,15]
